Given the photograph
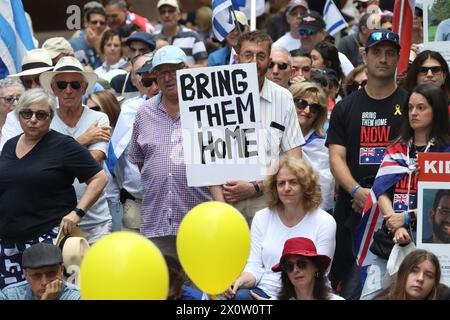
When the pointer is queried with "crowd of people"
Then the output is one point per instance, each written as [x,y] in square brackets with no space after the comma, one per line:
[91,134]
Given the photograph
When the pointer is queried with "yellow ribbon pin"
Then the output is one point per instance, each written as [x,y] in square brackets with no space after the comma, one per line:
[397,112]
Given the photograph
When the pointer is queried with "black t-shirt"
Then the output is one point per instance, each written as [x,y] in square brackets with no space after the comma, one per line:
[364,126]
[118,81]
[36,191]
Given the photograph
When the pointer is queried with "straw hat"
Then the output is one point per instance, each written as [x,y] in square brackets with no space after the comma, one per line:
[67,65]
[35,61]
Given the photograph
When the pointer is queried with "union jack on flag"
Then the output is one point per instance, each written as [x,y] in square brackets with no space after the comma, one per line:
[371,155]
[392,169]
[400,202]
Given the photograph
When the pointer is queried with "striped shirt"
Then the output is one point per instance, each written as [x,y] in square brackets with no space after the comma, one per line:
[278,120]
[189,41]
[156,145]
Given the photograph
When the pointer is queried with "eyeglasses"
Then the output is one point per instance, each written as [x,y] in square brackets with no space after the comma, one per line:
[313,107]
[10,99]
[443,211]
[289,266]
[95,108]
[306,32]
[248,56]
[162,73]
[281,65]
[434,70]
[148,82]
[28,82]
[382,35]
[40,115]
[62,85]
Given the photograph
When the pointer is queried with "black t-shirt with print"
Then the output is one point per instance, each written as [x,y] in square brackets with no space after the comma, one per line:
[365,126]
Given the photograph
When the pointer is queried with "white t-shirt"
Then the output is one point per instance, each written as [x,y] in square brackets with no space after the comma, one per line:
[268,235]
[287,42]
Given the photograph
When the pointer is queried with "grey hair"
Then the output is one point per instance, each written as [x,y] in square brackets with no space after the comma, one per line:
[122,4]
[9,82]
[283,50]
[34,96]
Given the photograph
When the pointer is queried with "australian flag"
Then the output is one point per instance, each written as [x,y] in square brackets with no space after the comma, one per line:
[371,155]
[392,169]
[400,202]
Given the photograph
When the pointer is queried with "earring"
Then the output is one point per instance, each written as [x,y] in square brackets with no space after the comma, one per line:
[317,275]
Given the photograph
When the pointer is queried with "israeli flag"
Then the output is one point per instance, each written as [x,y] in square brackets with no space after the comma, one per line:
[15,35]
[333,18]
[245,6]
[222,20]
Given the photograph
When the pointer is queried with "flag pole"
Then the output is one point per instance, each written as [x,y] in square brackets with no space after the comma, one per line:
[236,23]
[252,15]
[400,23]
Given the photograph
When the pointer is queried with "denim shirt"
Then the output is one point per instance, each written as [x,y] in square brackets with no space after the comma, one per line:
[22,291]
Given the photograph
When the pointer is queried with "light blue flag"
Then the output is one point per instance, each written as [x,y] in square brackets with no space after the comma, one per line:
[333,18]
[222,21]
[15,35]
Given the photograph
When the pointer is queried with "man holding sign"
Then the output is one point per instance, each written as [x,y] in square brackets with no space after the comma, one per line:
[155,148]
[278,120]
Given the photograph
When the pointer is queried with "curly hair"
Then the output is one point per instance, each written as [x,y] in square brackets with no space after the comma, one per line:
[307,178]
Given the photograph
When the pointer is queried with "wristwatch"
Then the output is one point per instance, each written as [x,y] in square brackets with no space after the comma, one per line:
[79,212]
[258,190]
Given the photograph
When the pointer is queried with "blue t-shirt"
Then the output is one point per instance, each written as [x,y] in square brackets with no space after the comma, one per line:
[84,52]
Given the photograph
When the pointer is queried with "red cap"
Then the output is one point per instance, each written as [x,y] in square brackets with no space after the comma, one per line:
[302,247]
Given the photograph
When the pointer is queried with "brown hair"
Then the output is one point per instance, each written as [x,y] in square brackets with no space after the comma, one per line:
[348,80]
[307,178]
[254,36]
[107,35]
[108,103]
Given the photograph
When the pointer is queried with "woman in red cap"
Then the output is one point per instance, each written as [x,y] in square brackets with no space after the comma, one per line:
[303,272]
[293,211]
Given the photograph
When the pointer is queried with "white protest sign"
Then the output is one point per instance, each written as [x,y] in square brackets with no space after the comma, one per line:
[220,120]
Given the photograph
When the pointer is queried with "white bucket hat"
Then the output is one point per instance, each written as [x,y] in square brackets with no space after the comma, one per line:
[35,61]
[66,65]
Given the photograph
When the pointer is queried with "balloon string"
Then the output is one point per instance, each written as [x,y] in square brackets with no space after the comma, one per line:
[213,297]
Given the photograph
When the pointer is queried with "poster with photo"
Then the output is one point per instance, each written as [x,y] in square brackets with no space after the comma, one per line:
[433,208]
[436,26]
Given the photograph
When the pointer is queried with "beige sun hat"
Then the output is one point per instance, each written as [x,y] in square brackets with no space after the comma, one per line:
[57,45]
[35,61]
[67,65]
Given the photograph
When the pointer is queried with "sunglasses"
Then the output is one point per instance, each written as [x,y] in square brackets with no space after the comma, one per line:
[40,115]
[306,32]
[10,99]
[289,266]
[75,85]
[27,83]
[313,107]
[355,85]
[148,82]
[95,108]
[382,35]
[434,70]
[281,65]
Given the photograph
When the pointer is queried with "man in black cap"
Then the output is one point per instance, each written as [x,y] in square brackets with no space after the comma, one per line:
[43,269]
[361,126]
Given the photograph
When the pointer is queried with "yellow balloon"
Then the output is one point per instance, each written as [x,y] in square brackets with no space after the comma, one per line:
[213,244]
[124,266]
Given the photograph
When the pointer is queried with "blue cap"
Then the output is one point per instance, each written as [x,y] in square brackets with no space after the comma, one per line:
[143,37]
[380,35]
[168,55]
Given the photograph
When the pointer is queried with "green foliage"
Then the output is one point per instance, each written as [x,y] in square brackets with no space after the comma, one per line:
[441,9]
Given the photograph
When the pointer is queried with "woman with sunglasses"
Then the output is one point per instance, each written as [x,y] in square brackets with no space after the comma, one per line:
[355,80]
[429,67]
[10,92]
[303,272]
[425,128]
[293,211]
[311,107]
[37,171]
[418,278]
[106,102]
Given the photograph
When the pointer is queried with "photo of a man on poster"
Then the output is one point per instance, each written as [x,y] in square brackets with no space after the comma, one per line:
[439,218]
